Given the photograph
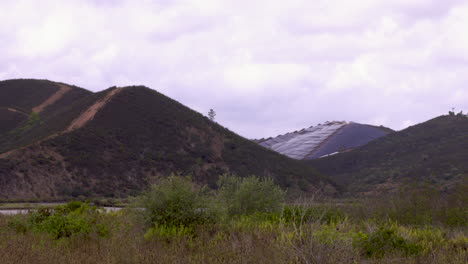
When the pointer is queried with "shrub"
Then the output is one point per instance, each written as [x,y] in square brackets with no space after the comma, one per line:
[246,196]
[34,119]
[385,240]
[420,206]
[302,214]
[168,232]
[175,202]
[66,220]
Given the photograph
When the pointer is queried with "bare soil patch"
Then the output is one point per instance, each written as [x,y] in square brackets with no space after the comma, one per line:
[63,89]
[89,114]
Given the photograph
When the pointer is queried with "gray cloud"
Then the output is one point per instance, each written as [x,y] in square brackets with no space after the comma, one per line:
[266,67]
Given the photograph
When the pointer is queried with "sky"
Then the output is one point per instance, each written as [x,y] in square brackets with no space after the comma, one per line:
[266,67]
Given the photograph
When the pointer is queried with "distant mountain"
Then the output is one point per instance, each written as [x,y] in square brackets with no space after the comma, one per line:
[434,152]
[324,139]
[58,140]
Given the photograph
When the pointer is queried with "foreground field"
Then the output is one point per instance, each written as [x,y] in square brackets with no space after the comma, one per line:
[409,228]
[245,240]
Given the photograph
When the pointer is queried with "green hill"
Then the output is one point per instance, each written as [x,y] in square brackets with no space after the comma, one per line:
[27,119]
[434,152]
[114,142]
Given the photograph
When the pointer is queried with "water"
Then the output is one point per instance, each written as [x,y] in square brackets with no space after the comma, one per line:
[25,211]
[13,211]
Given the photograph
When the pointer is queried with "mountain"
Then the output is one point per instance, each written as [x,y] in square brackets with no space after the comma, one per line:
[434,152]
[324,139]
[59,141]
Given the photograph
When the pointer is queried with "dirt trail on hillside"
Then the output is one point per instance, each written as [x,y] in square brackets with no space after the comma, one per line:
[80,121]
[63,89]
[89,114]
[16,111]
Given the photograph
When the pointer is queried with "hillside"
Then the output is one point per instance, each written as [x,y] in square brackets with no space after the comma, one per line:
[434,152]
[34,109]
[114,142]
[324,139]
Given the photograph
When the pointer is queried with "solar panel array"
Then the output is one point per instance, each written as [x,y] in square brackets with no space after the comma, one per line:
[298,145]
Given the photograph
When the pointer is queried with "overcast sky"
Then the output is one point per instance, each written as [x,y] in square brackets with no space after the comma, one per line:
[265,66]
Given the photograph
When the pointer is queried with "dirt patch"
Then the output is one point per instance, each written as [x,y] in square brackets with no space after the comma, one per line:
[89,114]
[77,123]
[63,89]
[15,111]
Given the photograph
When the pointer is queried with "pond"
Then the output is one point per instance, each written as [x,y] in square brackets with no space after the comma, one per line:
[25,211]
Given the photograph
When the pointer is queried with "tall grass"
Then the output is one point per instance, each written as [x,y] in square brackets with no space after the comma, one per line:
[312,232]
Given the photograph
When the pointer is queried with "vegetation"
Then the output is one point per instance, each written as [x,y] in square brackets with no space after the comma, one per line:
[246,196]
[140,134]
[73,218]
[33,120]
[10,120]
[176,202]
[211,114]
[25,94]
[29,127]
[434,152]
[175,229]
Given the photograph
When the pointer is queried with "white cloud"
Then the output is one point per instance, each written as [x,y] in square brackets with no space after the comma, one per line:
[266,66]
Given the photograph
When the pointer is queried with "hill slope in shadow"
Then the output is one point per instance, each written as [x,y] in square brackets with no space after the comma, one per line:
[435,152]
[114,142]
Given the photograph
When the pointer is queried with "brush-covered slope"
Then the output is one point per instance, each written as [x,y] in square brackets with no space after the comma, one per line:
[323,139]
[114,142]
[34,109]
[434,152]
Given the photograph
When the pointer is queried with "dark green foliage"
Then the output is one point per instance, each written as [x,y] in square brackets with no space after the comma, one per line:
[385,240]
[175,206]
[33,120]
[177,202]
[457,216]
[73,218]
[246,196]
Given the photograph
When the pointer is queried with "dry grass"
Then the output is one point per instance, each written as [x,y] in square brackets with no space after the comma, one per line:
[236,242]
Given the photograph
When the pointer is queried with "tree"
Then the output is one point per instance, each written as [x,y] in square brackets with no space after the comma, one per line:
[211,114]
[246,196]
[452,113]
[176,201]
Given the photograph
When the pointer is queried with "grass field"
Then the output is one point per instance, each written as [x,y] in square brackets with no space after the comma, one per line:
[241,241]
[391,230]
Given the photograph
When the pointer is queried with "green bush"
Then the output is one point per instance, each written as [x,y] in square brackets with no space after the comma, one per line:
[456,217]
[246,196]
[175,202]
[385,240]
[73,218]
[34,119]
